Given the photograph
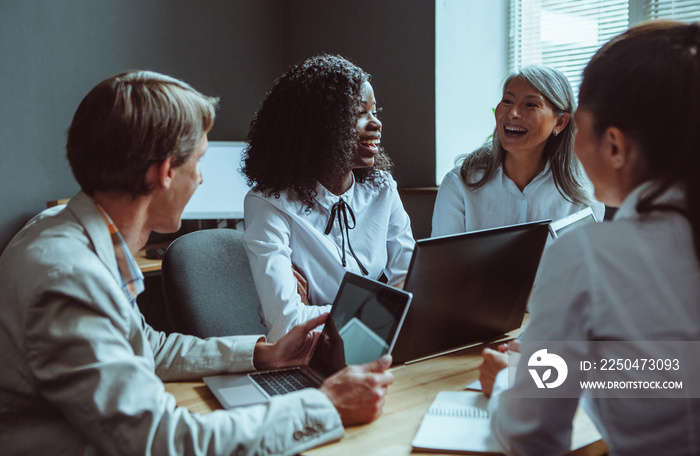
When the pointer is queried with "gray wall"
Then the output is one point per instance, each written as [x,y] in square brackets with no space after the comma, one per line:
[52,53]
[393,40]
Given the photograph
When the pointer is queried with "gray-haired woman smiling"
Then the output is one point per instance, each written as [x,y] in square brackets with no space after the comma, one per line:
[528,171]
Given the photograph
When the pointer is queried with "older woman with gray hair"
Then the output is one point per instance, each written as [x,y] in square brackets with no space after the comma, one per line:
[528,170]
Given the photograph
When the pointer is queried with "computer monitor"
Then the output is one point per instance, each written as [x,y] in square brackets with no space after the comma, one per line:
[221,195]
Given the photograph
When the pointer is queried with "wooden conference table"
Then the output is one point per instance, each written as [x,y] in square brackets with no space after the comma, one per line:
[148,264]
[415,386]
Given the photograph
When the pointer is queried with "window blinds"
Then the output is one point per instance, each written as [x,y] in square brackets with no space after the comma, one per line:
[565,34]
[683,10]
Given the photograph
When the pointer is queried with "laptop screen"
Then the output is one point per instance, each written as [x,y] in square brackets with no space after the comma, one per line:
[469,287]
[363,324]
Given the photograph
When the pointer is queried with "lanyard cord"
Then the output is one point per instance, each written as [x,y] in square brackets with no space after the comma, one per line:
[340,211]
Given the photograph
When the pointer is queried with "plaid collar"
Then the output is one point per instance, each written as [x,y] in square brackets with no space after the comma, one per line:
[131,275]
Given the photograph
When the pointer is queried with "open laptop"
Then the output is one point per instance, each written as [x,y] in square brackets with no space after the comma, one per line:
[568,223]
[362,326]
[469,288]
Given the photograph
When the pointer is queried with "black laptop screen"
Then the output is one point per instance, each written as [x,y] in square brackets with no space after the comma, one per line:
[362,326]
[469,287]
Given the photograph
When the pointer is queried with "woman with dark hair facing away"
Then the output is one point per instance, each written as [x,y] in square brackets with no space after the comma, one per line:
[528,171]
[323,200]
[636,278]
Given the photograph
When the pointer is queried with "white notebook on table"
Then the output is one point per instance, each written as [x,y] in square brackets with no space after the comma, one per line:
[459,422]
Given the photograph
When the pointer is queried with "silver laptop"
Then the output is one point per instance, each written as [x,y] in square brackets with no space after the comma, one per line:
[570,222]
[363,325]
[469,288]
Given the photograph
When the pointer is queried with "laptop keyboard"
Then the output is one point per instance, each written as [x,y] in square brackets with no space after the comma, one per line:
[281,382]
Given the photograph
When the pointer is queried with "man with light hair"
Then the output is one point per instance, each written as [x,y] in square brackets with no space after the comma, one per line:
[82,371]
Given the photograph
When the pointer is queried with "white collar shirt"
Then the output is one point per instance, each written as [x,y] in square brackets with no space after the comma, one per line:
[499,202]
[281,231]
[636,278]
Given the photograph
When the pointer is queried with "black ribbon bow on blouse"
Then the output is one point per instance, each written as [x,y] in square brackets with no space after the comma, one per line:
[339,212]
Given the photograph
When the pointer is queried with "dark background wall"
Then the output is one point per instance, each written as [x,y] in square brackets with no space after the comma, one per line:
[53,53]
[393,40]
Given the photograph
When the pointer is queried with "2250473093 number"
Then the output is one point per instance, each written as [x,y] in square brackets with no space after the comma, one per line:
[649,364]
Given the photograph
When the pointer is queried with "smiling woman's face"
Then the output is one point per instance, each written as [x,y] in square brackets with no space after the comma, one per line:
[369,129]
[524,119]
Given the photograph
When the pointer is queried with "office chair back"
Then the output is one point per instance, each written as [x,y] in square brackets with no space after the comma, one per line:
[208,286]
[419,203]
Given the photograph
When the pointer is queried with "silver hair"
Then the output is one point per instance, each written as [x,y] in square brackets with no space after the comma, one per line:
[559,150]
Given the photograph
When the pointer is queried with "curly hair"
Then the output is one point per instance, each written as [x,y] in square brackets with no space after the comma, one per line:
[305,131]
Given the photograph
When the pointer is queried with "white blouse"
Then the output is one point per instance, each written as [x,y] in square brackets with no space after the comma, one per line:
[636,278]
[280,232]
[499,202]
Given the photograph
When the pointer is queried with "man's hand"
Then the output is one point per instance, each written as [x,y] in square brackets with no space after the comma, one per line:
[358,392]
[294,349]
[494,362]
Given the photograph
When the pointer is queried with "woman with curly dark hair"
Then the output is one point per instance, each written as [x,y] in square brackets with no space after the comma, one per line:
[323,200]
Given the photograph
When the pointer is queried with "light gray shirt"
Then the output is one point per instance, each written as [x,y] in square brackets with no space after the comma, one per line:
[280,232]
[82,373]
[499,202]
[636,278]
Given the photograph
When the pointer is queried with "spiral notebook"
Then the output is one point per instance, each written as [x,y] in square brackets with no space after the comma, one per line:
[459,422]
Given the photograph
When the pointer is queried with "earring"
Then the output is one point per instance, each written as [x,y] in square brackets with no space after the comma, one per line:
[556,132]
